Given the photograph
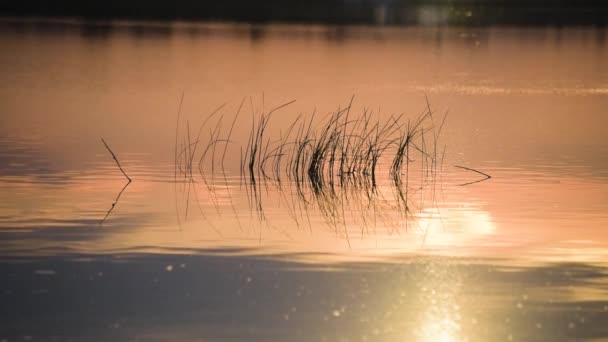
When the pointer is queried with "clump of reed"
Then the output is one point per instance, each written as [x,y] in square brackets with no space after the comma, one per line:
[342,150]
[341,163]
[334,162]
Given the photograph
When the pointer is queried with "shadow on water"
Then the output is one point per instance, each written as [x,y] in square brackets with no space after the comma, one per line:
[219,295]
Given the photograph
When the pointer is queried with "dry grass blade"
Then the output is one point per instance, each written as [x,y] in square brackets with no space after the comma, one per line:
[487,176]
[116,160]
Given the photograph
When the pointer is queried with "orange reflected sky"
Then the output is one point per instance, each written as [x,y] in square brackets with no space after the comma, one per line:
[526,106]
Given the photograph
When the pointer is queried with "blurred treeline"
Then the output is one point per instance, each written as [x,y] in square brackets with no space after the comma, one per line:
[367,12]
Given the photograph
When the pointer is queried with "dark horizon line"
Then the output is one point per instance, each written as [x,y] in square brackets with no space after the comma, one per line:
[338,12]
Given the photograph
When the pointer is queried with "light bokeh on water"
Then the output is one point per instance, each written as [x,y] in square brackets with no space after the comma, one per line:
[526,106]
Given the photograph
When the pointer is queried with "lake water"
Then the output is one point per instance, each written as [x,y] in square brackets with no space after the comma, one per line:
[207,255]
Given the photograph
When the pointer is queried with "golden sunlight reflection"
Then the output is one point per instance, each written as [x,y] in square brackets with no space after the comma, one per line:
[439,329]
[439,319]
[456,227]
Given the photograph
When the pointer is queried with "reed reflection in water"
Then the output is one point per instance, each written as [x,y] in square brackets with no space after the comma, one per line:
[361,174]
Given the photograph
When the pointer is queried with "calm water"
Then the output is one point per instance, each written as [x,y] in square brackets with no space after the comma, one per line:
[520,256]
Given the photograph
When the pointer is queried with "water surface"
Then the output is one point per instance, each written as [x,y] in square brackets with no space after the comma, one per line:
[519,256]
